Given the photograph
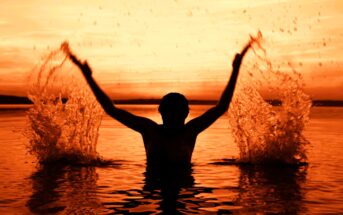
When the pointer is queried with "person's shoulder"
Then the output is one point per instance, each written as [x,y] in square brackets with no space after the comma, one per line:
[153,129]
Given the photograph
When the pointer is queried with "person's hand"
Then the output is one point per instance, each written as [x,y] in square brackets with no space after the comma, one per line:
[75,60]
[239,56]
[237,61]
[86,70]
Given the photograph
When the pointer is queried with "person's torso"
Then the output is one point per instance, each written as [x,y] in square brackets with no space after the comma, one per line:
[169,146]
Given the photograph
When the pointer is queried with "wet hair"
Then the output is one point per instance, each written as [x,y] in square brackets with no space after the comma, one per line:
[174,102]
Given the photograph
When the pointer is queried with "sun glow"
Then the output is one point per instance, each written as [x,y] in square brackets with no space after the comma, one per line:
[165,44]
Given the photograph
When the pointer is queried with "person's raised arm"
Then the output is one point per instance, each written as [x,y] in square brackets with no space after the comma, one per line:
[202,122]
[130,120]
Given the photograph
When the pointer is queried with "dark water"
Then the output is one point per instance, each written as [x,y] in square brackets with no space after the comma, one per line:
[29,188]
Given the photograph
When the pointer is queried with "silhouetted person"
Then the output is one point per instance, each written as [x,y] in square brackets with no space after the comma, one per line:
[170,144]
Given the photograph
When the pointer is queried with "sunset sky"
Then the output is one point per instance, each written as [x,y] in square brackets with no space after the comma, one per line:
[146,48]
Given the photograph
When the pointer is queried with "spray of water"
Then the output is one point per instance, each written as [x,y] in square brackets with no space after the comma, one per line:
[264,133]
[65,118]
[63,124]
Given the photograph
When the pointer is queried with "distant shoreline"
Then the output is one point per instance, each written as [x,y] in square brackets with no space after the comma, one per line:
[18,100]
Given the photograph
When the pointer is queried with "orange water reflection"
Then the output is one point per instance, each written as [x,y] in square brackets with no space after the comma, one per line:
[78,190]
[27,188]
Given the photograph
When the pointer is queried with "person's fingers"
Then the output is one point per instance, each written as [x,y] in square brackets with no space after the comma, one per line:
[74,59]
[71,56]
[85,63]
[245,50]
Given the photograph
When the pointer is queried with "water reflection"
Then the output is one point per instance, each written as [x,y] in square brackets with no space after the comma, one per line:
[160,193]
[70,189]
[74,190]
[170,184]
[272,189]
[172,192]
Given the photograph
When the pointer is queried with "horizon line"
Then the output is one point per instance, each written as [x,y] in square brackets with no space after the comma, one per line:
[8,100]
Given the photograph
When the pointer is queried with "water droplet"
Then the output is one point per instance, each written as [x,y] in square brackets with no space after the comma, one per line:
[295,20]
[190,13]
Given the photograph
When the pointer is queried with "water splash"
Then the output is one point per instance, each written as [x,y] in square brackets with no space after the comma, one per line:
[264,133]
[65,118]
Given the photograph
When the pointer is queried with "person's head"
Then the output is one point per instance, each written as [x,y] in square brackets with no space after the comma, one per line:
[174,109]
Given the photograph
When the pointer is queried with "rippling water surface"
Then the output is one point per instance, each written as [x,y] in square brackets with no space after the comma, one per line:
[29,188]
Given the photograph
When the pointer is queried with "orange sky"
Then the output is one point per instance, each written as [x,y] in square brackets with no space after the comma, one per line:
[147,48]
